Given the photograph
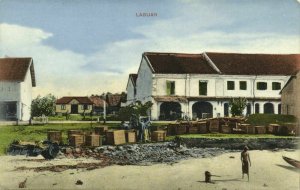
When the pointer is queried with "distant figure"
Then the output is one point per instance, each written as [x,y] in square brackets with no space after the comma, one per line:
[245,158]
[207,177]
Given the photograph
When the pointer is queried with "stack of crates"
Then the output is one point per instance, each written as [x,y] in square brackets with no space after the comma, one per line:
[54,136]
[171,129]
[260,129]
[130,136]
[75,132]
[273,128]
[226,129]
[202,127]
[214,125]
[76,140]
[116,137]
[181,129]
[250,129]
[93,140]
[193,128]
[158,136]
[101,130]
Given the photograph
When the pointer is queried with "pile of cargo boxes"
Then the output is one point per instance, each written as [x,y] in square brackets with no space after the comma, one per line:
[229,125]
[102,135]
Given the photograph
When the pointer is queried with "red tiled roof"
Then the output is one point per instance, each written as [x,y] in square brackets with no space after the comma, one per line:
[113,99]
[227,63]
[15,69]
[99,102]
[176,63]
[256,64]
[133,78]
[80,99]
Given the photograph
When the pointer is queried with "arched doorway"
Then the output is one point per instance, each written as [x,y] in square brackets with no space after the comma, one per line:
[170,111]
[202,110]
[268,108]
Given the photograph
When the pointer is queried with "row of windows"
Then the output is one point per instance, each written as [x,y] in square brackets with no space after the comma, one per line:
[259,85]
[83,107]
[230,86]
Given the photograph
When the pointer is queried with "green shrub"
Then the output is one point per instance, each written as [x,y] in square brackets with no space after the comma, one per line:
[266,119]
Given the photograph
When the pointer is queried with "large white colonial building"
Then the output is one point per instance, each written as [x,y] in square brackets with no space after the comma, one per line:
[201,85]
[16,81]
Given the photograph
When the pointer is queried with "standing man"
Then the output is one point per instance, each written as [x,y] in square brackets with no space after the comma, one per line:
[245,158]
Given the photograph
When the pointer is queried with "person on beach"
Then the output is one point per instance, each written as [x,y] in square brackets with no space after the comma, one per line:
[245,158]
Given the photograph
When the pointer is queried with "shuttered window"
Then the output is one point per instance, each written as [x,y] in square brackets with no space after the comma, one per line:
[230,85]
[170,87]
[203,88]
[243,85]
[261,86]
[276,86]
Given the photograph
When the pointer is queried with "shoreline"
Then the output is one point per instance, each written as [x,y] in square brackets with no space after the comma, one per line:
[268,171]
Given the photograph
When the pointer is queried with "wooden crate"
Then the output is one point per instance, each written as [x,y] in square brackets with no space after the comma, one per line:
[233,124]
[158,136]
[214,126]
[115,137]
[54,136]
[101,130]
[250,130]
[193,129]
[76,140]
[74,132]
[180,129]
[130,136]
[202,126]
[171,129]
[273,128]
[226,129]
[93,140]
[260,130]
[244,127]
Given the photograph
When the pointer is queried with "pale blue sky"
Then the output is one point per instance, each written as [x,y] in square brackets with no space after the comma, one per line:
[93,45]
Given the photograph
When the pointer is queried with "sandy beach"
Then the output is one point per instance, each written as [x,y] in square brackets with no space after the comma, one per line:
[268,171]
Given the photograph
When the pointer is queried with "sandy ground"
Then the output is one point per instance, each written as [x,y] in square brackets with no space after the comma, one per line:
[268,172]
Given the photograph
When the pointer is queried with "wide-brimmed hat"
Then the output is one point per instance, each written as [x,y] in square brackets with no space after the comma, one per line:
[246,148]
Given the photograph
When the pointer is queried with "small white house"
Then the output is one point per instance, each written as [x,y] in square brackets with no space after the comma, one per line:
[201,85]
[16,81]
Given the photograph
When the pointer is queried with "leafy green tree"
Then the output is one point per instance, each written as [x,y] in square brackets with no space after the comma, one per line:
[138,109]
[237,106]
[43,106]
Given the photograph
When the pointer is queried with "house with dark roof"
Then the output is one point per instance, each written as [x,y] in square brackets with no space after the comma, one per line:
[17,78]
[201,85]
[113,103]
[99,104]
[131,89]
[74,105]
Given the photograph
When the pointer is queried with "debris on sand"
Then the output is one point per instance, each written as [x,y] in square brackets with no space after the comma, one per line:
[23,184]
[231,157]
[79,182]
[61,168]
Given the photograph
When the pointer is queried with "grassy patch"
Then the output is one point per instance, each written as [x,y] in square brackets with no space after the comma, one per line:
[266,119]
[38,132]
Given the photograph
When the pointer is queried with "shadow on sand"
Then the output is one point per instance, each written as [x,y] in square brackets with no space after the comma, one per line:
[291,168]
[224,180]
